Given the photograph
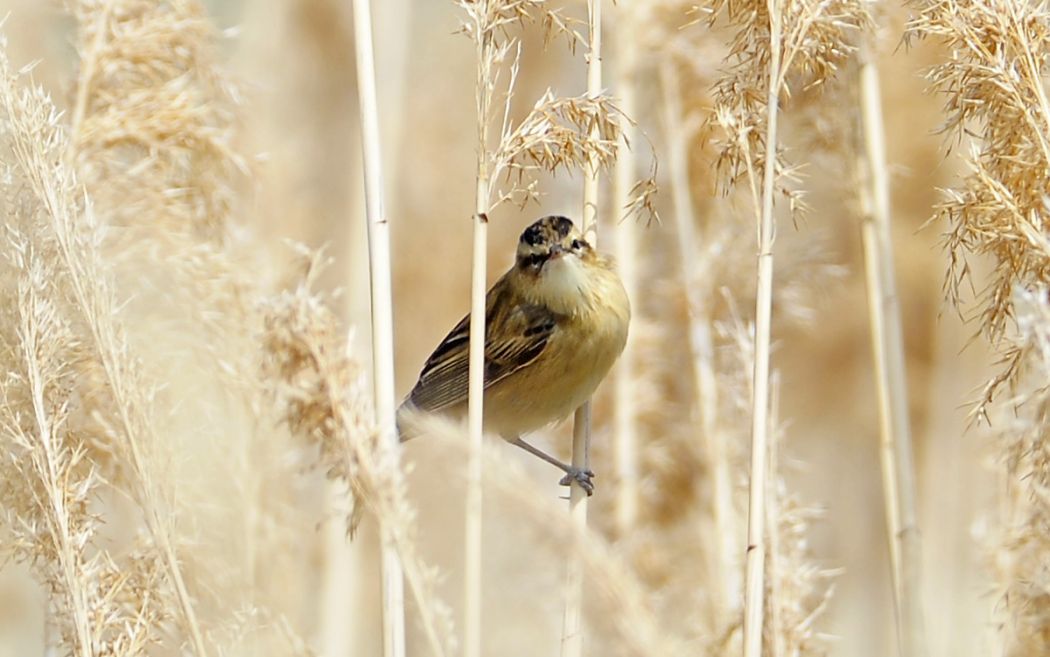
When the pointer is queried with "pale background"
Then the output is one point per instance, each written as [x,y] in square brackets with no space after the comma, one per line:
[295,59]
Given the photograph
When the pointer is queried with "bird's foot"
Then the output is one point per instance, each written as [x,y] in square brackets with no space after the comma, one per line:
[581,477]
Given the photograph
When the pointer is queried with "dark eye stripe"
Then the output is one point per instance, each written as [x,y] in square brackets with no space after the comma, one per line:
[534,260]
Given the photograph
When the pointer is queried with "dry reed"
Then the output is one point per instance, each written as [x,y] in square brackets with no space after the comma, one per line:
[888,349]
[38,148]
[775,42]
[572,624]
[382,317]
[993,86]
[318,386]
[100,607]
[535,142]
[1024,543]
[138,318]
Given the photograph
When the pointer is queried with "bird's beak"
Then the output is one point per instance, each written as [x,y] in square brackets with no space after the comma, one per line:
[557,250]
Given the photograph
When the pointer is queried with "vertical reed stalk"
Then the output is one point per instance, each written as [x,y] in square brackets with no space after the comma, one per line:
[572,637]
[476,364]
[382,316]
[476,384]
[898,477]
[625,436]
[572,630]
[776,615]
[701,344]
[754,588]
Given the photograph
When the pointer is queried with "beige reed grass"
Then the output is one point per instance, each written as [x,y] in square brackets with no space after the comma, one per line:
[625,428]
[484,88]
[754,582]
[777,38]
[572,624]
[617,594]
[53,462]
[382,317]
[75,232]
[895,446]
[996,102]
[993,84]
[775,620]
[721,561]
[1023,543]
[476,391]
[319,390]
[49,481]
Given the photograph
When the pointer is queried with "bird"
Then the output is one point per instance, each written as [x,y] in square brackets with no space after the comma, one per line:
[555,323]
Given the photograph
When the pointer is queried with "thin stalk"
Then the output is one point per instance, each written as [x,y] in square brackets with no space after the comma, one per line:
[382,316]
[754,583]
[625,436]
[572,622]
[895,451]
[472,553]
[572,636]
[701,344]
[472,544]
[776,621]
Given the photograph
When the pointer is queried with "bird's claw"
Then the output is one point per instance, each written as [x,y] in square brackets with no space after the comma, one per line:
[581,477]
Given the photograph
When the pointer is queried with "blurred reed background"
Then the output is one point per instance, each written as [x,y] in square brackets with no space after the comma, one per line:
[178,403]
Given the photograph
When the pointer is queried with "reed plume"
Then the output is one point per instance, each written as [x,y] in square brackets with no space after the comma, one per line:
[776,46]
[993,87]
[319,386]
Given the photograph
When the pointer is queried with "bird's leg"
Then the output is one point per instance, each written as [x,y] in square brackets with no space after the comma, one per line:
[582,477]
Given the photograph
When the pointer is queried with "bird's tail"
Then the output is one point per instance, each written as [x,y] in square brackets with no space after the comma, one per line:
[405,425]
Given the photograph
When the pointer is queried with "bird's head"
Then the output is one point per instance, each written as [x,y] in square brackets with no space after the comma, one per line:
[556,266]
[548,240]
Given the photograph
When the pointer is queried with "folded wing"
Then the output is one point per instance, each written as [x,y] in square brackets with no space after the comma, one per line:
[515,338]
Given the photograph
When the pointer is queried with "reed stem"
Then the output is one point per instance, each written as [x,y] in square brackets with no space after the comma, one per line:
[472,552]
[382,316]
[754,583]
[572,637]
[898,476]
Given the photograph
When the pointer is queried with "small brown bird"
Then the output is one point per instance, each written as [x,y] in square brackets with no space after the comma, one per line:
[554,325]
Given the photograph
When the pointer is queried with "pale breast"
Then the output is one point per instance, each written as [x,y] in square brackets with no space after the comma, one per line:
[578,356]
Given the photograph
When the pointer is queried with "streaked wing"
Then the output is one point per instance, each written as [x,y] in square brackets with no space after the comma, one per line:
[523,334]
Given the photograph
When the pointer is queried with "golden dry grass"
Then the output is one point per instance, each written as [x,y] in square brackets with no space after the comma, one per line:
[186,433]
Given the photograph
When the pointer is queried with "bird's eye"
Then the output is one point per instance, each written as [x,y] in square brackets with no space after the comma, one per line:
[577,245]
